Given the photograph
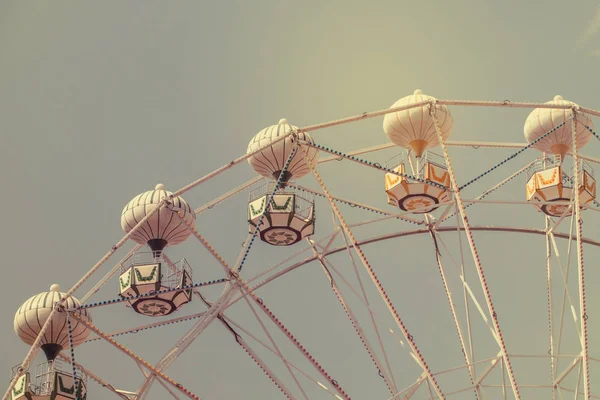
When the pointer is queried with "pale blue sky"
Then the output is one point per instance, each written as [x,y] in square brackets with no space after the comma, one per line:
[99,101]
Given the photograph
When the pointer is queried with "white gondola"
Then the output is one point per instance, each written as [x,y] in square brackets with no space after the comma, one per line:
[415,130]
[281,213]
[148,273]
[145,275]
[289,218]
[53,380]
[418,196]
[547,182]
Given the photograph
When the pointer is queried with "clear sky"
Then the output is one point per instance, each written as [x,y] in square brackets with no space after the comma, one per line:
[102,100]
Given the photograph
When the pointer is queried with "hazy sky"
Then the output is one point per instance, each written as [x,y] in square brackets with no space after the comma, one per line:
[101,100]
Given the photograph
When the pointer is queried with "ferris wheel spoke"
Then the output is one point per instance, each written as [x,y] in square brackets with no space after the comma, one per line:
[566,297]
[474,252]
[293,339]
[274,277]
[564,215]
[277,350]
[270,349]
[461,338]
[363,298]
[488,370]
[257,360]
[417,354]
[566,293]
[243,286]
[306,249]
[410,390]
[565,280]
[430,390]
[264,367]
[385,373]
[366,300]
[156,372]
[444,215]
[579,371]
[94,377]
[327,246]
[592,396]
[468,291]
[560,392]
[502,369]
[558,381]
[161,383]
[226,322]
[189,337]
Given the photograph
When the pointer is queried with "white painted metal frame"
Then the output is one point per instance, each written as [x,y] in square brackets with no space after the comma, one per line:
[246,291]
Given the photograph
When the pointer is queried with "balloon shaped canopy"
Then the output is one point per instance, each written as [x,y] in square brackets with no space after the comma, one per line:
[270,161]
[559,142]
[414,128]
[33,314]
[164,228]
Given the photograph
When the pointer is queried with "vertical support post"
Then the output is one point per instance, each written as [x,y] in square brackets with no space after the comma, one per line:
[579,233]
[550,308]
[461,338]
[257,360]
[409,338]
[463,214]
[361,334]
[246,290]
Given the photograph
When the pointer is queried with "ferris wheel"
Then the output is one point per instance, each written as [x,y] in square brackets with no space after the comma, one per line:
[426,201]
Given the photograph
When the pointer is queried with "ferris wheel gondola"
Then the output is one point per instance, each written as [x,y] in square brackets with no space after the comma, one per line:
[148,280]
[154,286]
[551,132]
[424,185]
[52,381]
[282,216]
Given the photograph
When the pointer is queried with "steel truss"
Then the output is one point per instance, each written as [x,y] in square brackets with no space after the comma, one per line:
[237,288]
